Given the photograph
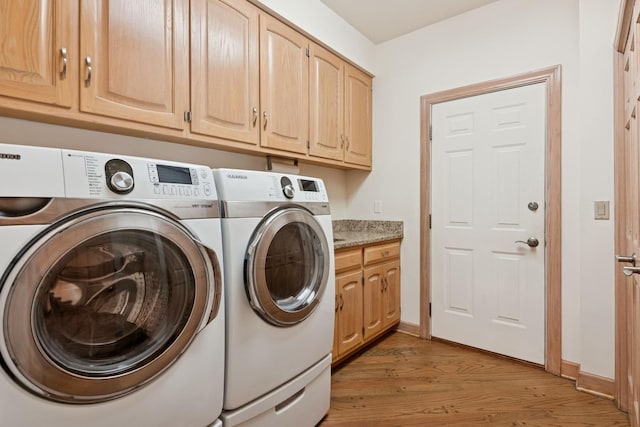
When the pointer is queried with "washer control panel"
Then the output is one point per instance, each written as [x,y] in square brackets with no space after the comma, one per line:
[102,175]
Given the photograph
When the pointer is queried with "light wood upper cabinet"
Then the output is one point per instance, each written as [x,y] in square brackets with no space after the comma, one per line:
[358,94]
[218,73]
[340,109]
[326,104]
[284,87]
[37,47]
[135,60]
[224,69]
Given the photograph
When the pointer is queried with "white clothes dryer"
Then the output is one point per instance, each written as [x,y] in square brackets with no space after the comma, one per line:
[111,297]
[279,289]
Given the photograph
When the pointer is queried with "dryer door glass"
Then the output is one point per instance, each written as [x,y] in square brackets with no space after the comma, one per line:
[288,266]
[103,303]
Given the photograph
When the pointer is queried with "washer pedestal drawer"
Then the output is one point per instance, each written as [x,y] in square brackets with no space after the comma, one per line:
[301,402]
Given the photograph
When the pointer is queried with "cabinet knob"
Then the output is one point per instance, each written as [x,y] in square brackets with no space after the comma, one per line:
[265,120]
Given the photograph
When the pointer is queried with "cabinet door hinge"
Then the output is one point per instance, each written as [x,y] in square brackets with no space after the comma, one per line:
[308,52]
[362,280]
[308,145]
[430,133]
[429,309]
[363,331]
[187,116]
[429,221]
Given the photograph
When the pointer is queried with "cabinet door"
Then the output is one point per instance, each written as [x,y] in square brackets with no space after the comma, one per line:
[391,299]
[349,289]
[357,117]
[35,38]
[373,289]
[326,100]
[135,60]
[284,87]
[224,69]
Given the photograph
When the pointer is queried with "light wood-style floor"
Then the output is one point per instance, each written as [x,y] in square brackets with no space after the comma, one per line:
[406,381]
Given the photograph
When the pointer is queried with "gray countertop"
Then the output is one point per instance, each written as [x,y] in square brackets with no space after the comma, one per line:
[348,233]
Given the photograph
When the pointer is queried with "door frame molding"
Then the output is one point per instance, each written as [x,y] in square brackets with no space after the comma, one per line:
[553,228]
[622,331]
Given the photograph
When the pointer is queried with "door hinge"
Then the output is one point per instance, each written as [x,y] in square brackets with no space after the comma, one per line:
[429,309]
[429,221]
[187,116]
[430,133]
[308,52]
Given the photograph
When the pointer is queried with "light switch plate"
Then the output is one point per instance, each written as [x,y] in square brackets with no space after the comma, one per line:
[601,209]
[377,206]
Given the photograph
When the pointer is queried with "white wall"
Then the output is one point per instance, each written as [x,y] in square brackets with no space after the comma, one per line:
[506,38]
[598,20]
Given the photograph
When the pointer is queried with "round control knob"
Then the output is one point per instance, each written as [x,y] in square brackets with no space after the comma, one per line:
[287,187]
[288,191]
[121,182]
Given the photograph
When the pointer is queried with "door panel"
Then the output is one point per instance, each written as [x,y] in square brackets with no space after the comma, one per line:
[33,35]
[135,75]
[391,301]
[284,87]
[357,119]
[488,166]
[224,69]
[350,311]
[325,104]
[373,289]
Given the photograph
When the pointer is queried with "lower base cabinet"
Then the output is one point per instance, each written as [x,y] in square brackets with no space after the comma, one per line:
[367,295]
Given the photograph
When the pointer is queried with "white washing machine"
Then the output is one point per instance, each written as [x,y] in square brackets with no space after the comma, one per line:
[111,298]
[279,290]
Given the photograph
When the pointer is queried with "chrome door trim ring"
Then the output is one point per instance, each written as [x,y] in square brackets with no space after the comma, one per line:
[255,280]
[76,388]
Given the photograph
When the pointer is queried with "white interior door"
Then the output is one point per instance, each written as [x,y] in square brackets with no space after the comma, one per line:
[488,159]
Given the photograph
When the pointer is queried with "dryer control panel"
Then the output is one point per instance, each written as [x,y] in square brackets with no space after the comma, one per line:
[107,176]
[246,185]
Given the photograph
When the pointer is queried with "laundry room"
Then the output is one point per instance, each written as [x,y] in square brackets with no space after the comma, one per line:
[360,212]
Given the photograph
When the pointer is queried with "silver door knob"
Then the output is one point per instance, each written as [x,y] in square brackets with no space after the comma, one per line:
[531,241]
[628,271]
[630,259]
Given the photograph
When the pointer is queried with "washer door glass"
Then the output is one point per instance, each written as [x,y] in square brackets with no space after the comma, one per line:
[102,304]
[287,266]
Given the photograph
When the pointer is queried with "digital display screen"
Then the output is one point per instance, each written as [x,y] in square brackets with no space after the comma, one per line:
[308,185]
[173,175]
